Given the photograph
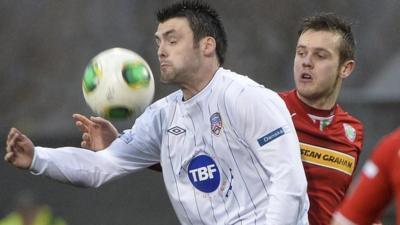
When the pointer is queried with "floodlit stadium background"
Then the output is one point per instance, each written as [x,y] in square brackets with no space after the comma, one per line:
[45,46]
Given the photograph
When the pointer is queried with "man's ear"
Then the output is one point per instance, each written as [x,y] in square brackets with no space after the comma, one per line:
[208,45]
[347,68]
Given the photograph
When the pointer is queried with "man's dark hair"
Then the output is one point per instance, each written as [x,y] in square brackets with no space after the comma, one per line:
[333,23]
[203,20]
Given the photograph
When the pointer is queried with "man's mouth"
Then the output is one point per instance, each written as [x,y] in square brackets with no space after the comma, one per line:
[306,76]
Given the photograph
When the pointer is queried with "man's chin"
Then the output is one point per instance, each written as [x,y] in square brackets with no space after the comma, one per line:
[306,93]
[312,97]
[167,77]
[164,79]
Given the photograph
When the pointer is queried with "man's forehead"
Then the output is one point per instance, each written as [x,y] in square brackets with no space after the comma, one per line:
[172,25]
[319,40]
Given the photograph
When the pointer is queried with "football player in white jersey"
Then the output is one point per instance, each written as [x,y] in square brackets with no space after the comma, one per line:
[227,145]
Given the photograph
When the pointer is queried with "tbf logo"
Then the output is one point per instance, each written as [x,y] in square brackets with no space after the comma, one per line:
[204,173]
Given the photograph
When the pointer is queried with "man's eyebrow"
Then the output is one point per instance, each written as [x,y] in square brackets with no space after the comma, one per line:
[167,33]
[300,46]
[322,50]
[319,49]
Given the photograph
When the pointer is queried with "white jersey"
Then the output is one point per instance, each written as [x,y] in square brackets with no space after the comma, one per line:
[229,155]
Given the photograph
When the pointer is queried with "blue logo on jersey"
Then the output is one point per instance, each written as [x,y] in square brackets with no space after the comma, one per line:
[204,173]
[271,136]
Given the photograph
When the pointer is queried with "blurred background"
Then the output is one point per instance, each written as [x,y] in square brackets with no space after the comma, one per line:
[45,46]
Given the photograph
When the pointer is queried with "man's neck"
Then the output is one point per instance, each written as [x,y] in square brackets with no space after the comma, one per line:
[198,81]
[323,103]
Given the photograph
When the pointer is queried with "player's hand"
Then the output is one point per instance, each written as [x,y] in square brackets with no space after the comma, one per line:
[97,133]
[19,150]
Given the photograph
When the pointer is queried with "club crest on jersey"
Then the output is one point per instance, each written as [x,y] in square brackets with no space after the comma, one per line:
[350,132]
[204,174]
[216,123]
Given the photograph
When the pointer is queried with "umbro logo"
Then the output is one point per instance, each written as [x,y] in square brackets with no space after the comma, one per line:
[176,130]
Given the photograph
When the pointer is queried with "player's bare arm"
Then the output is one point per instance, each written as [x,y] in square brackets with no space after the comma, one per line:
[19,149]
[97,132]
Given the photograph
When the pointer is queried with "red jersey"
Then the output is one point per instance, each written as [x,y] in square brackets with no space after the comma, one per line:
[330,143]
[379,183]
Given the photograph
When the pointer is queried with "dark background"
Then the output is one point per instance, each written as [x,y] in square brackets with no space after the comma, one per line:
[45,46]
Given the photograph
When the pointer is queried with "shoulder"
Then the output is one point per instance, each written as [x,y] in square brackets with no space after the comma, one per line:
[353,128]
[240,87]
[164,102]
[158,109]
[386,152]
[289,97]
[235,81]
[286,94]
[394,136]
[345,116]
[390,142]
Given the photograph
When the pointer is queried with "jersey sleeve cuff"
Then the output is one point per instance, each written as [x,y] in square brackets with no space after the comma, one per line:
[38,164]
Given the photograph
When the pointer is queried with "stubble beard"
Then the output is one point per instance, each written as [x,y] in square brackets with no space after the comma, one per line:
[167,75]
[312,93]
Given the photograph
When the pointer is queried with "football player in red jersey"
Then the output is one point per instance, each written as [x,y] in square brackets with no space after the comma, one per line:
[330,138]
[379,183]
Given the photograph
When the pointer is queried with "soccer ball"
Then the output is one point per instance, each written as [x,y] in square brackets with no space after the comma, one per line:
[118,84]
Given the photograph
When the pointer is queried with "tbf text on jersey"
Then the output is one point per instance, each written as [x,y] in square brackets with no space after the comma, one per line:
[230,155]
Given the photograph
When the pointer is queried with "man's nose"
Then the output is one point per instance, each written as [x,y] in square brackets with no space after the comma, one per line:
[307,61]
[161,52]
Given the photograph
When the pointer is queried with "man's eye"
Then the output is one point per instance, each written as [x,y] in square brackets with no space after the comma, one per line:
[157,42]
[301,53]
